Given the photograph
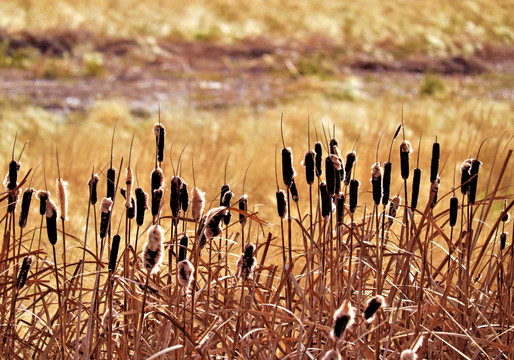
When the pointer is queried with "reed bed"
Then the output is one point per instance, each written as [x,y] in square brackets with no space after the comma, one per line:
[330,276]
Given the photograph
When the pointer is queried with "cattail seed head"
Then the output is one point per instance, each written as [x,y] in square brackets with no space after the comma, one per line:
[434,164]
[343,319]
[184,197]
[351,159]
[464,180]
[374,305]
[333,146]
[294,192]
[416,179]
[213,224]
[13,196]
[454,207]
[506,217]
[386,182]
[92,183]
[330,175]
[141,206]
[111,182]
[51,221]
[393,208]
[473,172]
[340,208]
[24,272]
[332,355]
[197,203]
[434,188]
[62,197]
[185,271]
[156,200]
[405,151]
[153,250]
[376,182]
[128,183]
[318,149]
[309,164]
[13,175]
[42,196]
[159,132]
[408,355]
[246,263]
[176,184]
[157,179]
[113,258]
[503,240]
[326,203]
[227,198]
[25,207]
[281,204]
[182,251]
[288,172]
[224,188]
[354,194]
[243,206]
[105,218]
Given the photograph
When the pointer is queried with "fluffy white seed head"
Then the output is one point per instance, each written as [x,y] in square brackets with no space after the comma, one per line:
[332,355]
[62,197]
[185,271]
[376,171]
[408,355]
[50,208]
[197,203]
[106,205]
[153,250]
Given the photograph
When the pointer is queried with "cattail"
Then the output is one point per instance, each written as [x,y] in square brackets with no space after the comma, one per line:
[351,159]
[506,217]
[503,240]
[197,203]
[108,319]
[182,251]
[473,172]
[333,146]
[281,204]
[185,274]
[340,208]
[131,211]
[386,182]
[373,305]
[153,250]
[62,197]
[200,232]
[288,172]
[224,188]
[157,179]
[42,196]
[354,194]
[376,182]
[464,180]
[333,167]
[294,192]
[184,197]
[434,188]
[105,216]
[92,183]
[243,206]
[227,197]
[332,355]
[159,132]
[318,149]
[111,182]
[13,175]
[13,195]
[24,272]
[176,184]
[408,355]
[156,201]
[405,151]
[434,164]
[309,164]
[114,253]
[141,206]
[326,203]
[213,222]
[343,319]
[393,208]
[51,221]
[454,207]
[416,179]
[128,182]
[25,207]
[246,262]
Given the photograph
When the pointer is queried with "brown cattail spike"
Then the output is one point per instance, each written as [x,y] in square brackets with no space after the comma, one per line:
[288,172]
[51,221]
[128,181]
[156,200]
[113,258]
[416,179]
[386,182]
[473,184]
[351,159]
[141,206]
[176,184]
[246,263]
[153,250]
[13,175]
[25,207]
[24,272]
[197,203]
[42,196]
[227,198]
[157,178]
[309,164]
[184,197]
[213,222]
[243,206]
[182,251]
[340,208]
[503,240]
[374,305]
[326,203]
[343,319]
[454,207]
[281,204]
[185,271]
[294,192]
[405,151]
[224,188]
[111,182]
[318,149]
[464,180]
[434,164]
[105,216]
[354,194]
[376,182]
[92,183]
[159,132]
[393,208]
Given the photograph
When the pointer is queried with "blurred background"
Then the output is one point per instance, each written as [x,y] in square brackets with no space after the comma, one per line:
[222,73]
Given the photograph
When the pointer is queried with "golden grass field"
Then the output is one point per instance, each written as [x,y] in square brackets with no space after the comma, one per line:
[219,77]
